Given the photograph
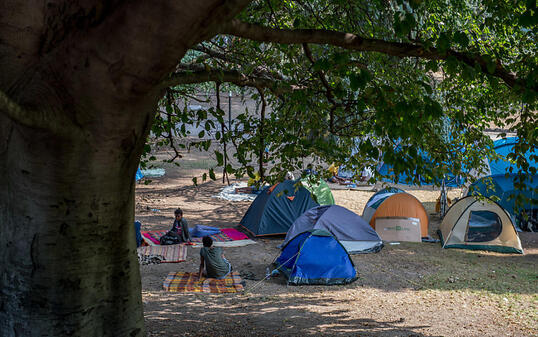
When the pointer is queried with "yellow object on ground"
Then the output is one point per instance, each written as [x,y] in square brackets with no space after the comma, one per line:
[333,169]
[253,181]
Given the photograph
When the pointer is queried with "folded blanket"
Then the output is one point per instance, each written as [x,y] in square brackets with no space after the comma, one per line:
[170,253]
[189,282]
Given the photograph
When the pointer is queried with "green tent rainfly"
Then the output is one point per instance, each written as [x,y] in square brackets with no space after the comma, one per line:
[321,191]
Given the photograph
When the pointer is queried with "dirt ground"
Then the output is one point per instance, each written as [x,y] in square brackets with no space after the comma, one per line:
[410,289]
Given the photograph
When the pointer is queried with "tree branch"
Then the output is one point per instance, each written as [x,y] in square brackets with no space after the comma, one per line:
[211,53]
[230,76]
[354,42]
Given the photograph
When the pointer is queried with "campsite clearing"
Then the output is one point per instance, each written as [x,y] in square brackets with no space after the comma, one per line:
[410,289]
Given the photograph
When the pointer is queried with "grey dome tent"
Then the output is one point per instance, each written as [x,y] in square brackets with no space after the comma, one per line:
[355,234]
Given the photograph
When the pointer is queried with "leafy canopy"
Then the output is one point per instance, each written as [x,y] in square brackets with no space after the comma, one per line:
[357,82]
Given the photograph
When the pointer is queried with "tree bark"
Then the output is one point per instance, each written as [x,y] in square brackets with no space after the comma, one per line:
[67,263]
[79,87]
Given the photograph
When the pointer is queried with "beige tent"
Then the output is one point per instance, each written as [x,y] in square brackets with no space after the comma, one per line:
[479,224]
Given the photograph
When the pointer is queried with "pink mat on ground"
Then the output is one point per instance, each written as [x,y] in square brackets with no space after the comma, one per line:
[227,234]
[234,234]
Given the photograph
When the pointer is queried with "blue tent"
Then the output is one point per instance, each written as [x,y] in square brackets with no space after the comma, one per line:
[349,228]
[276,208]
[316,257]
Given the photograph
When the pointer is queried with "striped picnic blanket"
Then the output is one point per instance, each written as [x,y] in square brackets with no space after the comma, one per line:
[226,234]
[170,253]
[189,282]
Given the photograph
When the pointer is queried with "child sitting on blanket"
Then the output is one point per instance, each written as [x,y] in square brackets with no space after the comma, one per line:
[181,227]
[212,258]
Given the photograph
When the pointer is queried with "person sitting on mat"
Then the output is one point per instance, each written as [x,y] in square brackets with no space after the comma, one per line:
[213,264]
[181,227]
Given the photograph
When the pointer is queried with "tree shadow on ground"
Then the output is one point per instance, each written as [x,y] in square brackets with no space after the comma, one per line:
[216,212]
[243,315]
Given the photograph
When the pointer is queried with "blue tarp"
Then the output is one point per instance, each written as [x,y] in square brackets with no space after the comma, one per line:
[502,187]
[138,175]
[273,212]
[503,147]
[386,170]
[316,257]
[500,183]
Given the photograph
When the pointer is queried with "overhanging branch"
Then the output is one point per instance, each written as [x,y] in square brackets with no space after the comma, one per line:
[230,76]
[355,42]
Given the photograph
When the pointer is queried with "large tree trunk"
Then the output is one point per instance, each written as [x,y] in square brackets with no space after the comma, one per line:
[67,263]
[79,84]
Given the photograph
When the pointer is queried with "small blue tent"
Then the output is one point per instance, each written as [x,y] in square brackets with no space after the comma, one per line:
[276,208]
[316,257]
[355,234]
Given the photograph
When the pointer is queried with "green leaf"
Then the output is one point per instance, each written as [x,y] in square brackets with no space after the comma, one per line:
[195,181]
[443,42]
[528,19]
[354,82]
[491,64]
[432,65]
[462,39]
[201,134]
[212,174]
[220,158]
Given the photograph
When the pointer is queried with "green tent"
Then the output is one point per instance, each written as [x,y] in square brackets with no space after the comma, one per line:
[320,190]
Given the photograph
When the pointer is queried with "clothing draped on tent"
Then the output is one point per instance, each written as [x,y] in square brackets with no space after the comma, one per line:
[319,188]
